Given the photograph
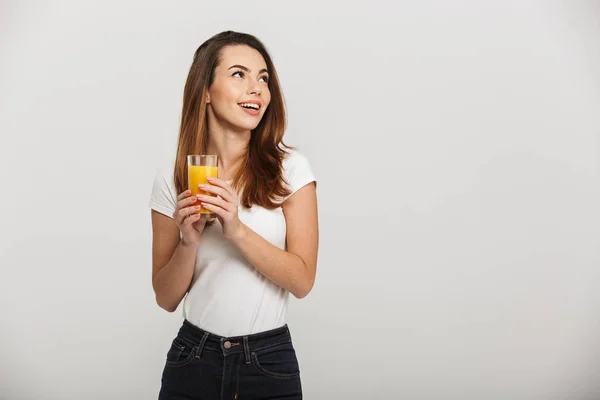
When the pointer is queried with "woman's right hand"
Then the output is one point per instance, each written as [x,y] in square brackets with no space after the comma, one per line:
[188,221]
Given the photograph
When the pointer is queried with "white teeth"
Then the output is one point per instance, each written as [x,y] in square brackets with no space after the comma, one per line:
[250,105]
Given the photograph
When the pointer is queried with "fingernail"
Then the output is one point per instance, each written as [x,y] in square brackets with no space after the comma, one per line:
[201,186]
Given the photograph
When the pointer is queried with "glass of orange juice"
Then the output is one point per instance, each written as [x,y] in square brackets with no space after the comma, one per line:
[199,168]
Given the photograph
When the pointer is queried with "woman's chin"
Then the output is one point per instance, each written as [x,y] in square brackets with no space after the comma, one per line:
[245,125]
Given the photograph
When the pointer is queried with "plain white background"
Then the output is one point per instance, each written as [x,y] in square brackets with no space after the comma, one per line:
[456,147]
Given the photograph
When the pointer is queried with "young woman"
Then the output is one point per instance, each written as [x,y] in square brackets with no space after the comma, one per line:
[234,273]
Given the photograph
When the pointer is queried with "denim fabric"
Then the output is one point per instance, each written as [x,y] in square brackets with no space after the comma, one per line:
[202,366]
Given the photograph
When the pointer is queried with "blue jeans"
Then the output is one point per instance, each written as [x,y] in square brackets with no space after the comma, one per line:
[204,366]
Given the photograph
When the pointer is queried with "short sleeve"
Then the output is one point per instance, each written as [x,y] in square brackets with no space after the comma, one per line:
[163,197]
[297,172]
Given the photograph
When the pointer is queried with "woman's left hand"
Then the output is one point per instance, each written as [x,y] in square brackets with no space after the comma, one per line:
[225,206]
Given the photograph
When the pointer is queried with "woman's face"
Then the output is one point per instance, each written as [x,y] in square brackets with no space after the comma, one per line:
[239,94]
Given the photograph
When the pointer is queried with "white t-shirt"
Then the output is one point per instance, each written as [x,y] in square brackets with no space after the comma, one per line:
[228,296]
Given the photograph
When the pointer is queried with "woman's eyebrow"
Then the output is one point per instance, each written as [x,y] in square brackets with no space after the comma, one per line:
[247,69]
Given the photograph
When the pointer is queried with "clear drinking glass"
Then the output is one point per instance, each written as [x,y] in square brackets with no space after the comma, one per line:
[200,167]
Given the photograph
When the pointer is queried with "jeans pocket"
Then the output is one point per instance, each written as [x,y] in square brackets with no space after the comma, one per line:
[180,353]
[277,362]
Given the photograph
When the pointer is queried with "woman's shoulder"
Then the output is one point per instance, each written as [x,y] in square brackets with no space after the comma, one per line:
[297,170]
[164,179]
[294,159]
[163,196]
[163,174]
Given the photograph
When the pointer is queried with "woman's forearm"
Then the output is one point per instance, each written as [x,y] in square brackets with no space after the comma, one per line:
[283,268]
[172,281]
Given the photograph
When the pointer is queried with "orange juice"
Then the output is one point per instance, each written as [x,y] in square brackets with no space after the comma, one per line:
[197,175]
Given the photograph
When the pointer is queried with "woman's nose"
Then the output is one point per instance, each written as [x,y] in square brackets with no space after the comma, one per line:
[254,89]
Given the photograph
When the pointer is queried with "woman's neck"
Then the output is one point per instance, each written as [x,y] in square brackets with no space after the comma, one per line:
[230,146]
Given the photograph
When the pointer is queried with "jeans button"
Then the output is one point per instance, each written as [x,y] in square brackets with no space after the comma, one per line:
[227,345]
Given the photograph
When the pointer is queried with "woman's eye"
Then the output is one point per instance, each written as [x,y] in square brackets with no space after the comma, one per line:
[265,79]
[240,73]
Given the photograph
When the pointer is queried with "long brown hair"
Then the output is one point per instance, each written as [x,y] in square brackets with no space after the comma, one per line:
[259,176]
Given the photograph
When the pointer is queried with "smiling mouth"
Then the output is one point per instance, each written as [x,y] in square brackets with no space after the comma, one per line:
[250,106]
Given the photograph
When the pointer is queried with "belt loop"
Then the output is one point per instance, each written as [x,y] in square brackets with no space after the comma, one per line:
[247,349]
[200,346]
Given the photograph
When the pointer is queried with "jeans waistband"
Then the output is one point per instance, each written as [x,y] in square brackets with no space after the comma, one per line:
[234,344]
